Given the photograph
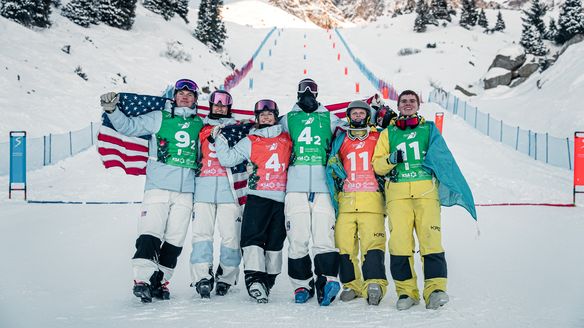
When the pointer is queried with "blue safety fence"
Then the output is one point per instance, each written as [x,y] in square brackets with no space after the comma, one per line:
[387,89]
[50,149]
[537,145]
[234,78]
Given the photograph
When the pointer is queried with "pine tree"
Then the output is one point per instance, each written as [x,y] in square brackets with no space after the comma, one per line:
[182,9]
[534,16]
[531,41]
[28,13]
[210,27]
[439,9]
[409,7]
[482,20]
[571,20]
[165,8]
[117,13]
[552,30]
[81,12]
[500,24]
[468,15]
[422,18]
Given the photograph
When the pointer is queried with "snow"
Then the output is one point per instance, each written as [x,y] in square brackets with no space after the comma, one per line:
[511,52]
[495,71]
[68,265]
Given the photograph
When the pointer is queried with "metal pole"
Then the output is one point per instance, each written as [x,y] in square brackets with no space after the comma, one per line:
[476,113]
[569,157]
[70,144]
[517,140]
[488,124]
[546,147]
[501,132]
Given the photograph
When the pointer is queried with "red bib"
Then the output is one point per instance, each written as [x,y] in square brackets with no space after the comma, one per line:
[356,156]
[270,157]
[210,166]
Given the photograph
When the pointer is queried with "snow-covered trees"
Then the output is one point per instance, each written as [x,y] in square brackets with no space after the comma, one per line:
[468,15]
[500,24]
[117,13]
[531,41]
[482,20]
[534,16]
[27,12]
[210,27]
[164,8]
[439,9]
[571,20]
[81,12]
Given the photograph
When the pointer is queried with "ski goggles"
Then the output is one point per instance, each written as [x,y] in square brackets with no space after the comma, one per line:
[220,97]
[307,85]
[265,104]
[405,122]
[186,84]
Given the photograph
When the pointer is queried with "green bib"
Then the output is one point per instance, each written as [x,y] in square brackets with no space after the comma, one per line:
[177,140]
[414,144]
[311,135]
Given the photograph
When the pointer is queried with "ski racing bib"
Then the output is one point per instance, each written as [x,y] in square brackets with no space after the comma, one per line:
[311,135]
[356,157]
[414,144]
[177,140]
[270,158]
[210,166]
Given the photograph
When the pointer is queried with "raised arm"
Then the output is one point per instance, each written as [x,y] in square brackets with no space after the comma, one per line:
[230,157]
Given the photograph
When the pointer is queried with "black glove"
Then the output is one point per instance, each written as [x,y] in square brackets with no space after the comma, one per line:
[396,157]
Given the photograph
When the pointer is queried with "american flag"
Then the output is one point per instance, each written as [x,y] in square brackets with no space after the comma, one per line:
[131,153]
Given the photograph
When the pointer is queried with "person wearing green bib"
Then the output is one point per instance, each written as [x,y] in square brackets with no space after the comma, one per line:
[308,209]
[412,203]
[170,184]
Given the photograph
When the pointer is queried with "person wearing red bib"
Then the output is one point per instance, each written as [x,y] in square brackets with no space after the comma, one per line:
[268,149]
[215,205]
[360,212]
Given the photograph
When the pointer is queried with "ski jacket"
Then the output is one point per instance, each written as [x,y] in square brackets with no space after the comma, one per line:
[213,186]
[161,175]
[268,151]
[354,186]
[304,176]
[447,184]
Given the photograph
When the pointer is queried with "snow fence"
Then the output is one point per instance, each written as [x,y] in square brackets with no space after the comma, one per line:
[50,149]
[539,146]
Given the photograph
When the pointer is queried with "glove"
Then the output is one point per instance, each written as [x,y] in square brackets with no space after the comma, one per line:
[396,157]
[109,101]
[214,133]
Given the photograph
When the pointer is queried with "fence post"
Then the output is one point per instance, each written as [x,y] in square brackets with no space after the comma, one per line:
[50,148]
[465,110]
[91,127]
[70,144]
[535,145]
[501,132]
[546,147]
[488,124]
[517,140]
[569,157]
[476,113]
[529,143]
[44,150]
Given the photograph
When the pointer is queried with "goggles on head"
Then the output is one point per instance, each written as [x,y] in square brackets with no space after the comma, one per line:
[407,121]
[186,84]
[307,85]
[220,97]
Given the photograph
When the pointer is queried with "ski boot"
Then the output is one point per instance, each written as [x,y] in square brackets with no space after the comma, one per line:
[437,299]
[348,294]
[405,302]
[328,293]
[142,291]
[374,294]
[301,295]
[221,288]
[161,292]
[258,291]
[204,287]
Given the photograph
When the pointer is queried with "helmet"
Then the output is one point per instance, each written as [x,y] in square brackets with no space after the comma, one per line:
[266,105]
[220,97]
[384,116]
[186,84]
[307,84]
[362,105]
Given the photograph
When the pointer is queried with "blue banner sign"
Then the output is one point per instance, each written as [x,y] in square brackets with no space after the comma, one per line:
[17,162]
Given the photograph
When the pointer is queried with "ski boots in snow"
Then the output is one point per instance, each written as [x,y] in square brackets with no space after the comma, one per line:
[258,291]
[348,294]
[374,294]
[437,299]
[142,291]
[221,288]
[161,292]
[405,302]
[204,287]
[301,295]
[329,292]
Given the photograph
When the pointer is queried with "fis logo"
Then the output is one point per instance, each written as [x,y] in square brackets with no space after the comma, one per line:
[186,125]
[412,135]
[360,145]
[238,219]
[436,228]
[309,121]
[274,146]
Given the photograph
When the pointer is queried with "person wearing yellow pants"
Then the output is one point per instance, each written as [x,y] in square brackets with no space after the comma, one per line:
[360,222]
[413,204]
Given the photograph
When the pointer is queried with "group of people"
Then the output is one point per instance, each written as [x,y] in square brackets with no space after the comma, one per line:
[314,179]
